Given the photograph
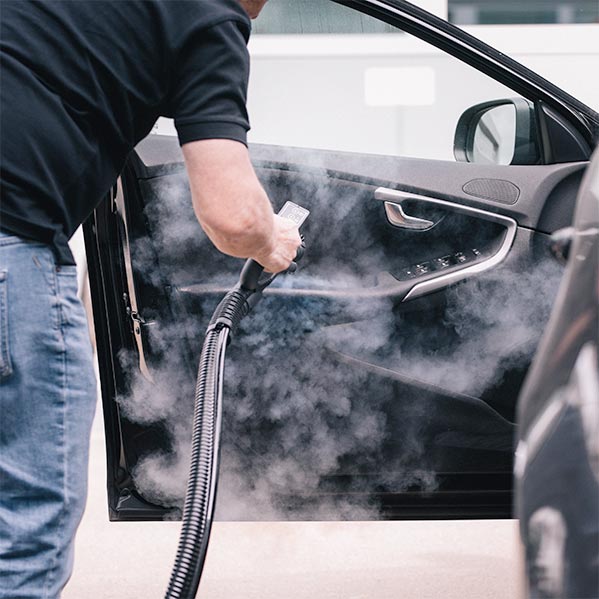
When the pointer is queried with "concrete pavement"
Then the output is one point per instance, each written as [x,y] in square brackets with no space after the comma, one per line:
[308,560]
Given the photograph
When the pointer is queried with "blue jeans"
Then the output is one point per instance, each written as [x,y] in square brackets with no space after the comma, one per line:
[47,402]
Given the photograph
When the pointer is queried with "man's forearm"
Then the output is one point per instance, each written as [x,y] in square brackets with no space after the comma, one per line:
[228,199]
[247,233]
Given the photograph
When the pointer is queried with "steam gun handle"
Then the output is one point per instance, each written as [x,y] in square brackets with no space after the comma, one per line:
[300,253]
[252,270]
[250,275]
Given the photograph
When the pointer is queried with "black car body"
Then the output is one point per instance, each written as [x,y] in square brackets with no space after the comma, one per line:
[381,381]
[557,459]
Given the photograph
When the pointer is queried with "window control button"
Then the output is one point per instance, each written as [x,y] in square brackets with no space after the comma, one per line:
[422,268]
[442,262]
[406,273]
[460,257]
[476,252]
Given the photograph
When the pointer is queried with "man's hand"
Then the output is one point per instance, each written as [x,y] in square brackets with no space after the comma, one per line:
[286,241]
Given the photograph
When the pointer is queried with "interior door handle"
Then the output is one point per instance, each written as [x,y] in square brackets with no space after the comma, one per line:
[398,218]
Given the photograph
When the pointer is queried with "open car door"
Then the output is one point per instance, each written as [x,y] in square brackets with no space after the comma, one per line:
[380,380]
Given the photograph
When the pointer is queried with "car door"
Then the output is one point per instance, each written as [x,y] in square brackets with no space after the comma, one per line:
[380,380]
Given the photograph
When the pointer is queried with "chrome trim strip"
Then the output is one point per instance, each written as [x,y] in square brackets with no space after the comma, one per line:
[393,195]
[122,212]
[348,293]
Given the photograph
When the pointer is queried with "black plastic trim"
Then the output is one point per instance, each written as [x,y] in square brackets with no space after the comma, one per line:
[560,142]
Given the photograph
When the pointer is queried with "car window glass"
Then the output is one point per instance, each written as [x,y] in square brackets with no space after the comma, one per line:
[374,90]
[310,16]
[326,76]
[298,16]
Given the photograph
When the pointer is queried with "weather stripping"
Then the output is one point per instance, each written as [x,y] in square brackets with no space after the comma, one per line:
[136,319]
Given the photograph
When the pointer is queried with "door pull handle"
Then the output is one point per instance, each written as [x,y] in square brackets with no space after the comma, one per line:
[398,218]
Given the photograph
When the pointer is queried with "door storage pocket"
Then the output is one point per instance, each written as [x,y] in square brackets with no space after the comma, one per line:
[5,364]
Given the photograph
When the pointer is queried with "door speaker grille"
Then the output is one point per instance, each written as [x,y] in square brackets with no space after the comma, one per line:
[493,189]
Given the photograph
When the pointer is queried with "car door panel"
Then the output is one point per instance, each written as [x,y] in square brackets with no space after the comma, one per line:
[417,409]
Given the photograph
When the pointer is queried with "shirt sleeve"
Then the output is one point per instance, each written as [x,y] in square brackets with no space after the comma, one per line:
[209,91]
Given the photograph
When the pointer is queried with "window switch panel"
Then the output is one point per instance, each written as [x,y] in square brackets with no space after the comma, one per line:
[438,264]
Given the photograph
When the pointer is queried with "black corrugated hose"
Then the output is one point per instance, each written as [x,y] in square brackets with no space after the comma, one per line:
[201,487]
[205,444]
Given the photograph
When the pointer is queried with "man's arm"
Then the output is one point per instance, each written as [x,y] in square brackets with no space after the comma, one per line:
[232,206]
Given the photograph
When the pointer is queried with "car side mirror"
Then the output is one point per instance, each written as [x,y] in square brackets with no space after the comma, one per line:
[498,132]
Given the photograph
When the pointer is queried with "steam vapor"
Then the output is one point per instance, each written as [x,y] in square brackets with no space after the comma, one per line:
[327,403]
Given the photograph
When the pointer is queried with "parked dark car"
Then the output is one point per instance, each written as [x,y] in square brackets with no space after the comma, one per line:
[380,381]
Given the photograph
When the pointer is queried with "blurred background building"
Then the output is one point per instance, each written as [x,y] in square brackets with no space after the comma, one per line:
[508,12]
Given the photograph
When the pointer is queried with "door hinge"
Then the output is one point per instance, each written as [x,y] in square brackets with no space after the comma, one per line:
[135,316]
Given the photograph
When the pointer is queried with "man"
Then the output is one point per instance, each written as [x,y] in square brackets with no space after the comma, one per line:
[82,83]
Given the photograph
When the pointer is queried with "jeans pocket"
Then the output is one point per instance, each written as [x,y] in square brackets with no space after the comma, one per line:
[66,270]
[5,363]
